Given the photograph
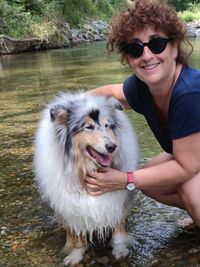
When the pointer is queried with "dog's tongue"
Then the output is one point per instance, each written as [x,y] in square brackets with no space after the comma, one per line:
[102,159]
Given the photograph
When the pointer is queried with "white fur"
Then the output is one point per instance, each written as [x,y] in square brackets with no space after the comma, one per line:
[119,243]
[74,257]
[59,182]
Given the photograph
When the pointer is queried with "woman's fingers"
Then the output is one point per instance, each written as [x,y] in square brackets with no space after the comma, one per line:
[93,189]
[100,182]
[90,180]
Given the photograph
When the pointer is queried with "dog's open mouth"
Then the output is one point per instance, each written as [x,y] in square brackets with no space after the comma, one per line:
[101,159]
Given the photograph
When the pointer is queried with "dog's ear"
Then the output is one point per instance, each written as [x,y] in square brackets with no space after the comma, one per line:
[59,114]
[115,103]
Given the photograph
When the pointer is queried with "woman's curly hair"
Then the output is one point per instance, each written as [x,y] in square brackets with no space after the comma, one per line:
[151,13]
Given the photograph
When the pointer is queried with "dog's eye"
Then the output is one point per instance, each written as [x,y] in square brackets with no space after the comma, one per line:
[113,126]
[110,126]
[89,127]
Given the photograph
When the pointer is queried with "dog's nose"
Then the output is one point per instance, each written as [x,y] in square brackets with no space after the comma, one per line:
[111,147]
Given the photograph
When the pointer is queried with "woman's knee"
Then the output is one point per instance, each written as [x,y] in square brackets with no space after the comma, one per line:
[189,192]
[185,193]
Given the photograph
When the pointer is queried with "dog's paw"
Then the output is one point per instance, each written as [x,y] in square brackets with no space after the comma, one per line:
[74,257]
[119,244]
[120,251]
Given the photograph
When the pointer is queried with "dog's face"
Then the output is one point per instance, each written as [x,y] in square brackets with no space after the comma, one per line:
[96,138]
[87,130]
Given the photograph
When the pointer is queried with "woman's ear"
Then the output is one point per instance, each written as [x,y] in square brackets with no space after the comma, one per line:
[175,49]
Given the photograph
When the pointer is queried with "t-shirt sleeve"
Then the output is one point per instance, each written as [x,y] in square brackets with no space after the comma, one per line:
[185,115]
[131,93]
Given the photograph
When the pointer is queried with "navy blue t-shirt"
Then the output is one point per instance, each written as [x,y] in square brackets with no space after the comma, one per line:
[184,107]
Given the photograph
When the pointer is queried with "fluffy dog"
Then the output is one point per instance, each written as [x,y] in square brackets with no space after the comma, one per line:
[79,133]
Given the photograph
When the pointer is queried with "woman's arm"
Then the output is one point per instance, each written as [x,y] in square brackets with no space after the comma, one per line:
[115,90]
[185,165]
[163,157]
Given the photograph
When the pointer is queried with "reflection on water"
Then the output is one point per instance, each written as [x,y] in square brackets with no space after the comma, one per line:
[85,66]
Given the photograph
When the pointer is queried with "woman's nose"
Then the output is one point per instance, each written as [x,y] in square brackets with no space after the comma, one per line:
[147,53]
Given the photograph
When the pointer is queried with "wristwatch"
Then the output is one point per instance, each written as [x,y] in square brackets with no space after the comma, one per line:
[130,181]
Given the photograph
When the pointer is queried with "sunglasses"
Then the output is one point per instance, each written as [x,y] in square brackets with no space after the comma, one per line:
[156,45]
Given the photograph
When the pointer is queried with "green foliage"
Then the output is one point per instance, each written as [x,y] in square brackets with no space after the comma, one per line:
[104,9]
[25,18]
[43,29]
[74,11]
[191,14]
[183,5]
[14,20]
[32,6]
[180,5]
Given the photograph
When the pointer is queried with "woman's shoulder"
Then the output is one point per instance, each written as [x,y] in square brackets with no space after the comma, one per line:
[190,74]
[188,80]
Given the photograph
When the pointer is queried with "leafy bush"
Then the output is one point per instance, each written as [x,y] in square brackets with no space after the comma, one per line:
[43,29]
[193,13]
[104,9]
[14,20]
[25,18]
[74,11]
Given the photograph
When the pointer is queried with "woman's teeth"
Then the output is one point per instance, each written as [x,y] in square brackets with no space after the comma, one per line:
[150,66]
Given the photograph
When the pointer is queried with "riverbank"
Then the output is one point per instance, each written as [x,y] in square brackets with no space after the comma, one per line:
[67,36]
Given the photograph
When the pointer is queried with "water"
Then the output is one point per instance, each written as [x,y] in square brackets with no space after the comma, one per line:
[27,82]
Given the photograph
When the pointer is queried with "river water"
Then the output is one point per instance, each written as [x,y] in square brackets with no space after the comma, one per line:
[28,235]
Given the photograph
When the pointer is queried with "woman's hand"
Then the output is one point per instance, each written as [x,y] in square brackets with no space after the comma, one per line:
[105,180]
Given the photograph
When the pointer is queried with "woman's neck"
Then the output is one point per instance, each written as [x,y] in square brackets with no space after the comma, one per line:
[161,97]
[164,88]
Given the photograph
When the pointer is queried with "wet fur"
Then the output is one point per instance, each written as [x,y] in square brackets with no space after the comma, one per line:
[62,160]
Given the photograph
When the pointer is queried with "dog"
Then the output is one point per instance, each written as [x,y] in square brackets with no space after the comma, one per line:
[79,133]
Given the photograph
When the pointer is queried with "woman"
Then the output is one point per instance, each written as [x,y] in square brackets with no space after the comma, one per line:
[149,37]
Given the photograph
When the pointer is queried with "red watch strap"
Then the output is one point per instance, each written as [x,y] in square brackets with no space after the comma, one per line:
[130,177]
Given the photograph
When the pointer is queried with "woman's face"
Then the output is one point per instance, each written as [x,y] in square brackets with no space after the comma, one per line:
[153,69]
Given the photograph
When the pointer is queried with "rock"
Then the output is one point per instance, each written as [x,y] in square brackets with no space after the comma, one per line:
[4,231]
[9,45]
[92,30]
[191,32]
[87,27]
[193,29]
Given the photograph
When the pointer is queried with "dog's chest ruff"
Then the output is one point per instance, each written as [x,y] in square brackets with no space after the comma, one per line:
[87,213]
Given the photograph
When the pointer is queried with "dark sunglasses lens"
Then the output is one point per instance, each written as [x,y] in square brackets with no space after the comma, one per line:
[134,49]
[157,45]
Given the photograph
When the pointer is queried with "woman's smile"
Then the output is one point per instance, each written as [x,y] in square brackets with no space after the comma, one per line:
[149,67]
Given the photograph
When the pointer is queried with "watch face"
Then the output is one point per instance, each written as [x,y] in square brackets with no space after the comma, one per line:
[130,186]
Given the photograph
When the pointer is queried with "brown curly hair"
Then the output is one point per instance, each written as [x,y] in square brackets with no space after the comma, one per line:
[151,13]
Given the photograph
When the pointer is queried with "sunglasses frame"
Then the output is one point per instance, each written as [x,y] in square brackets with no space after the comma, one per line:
[129,50]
